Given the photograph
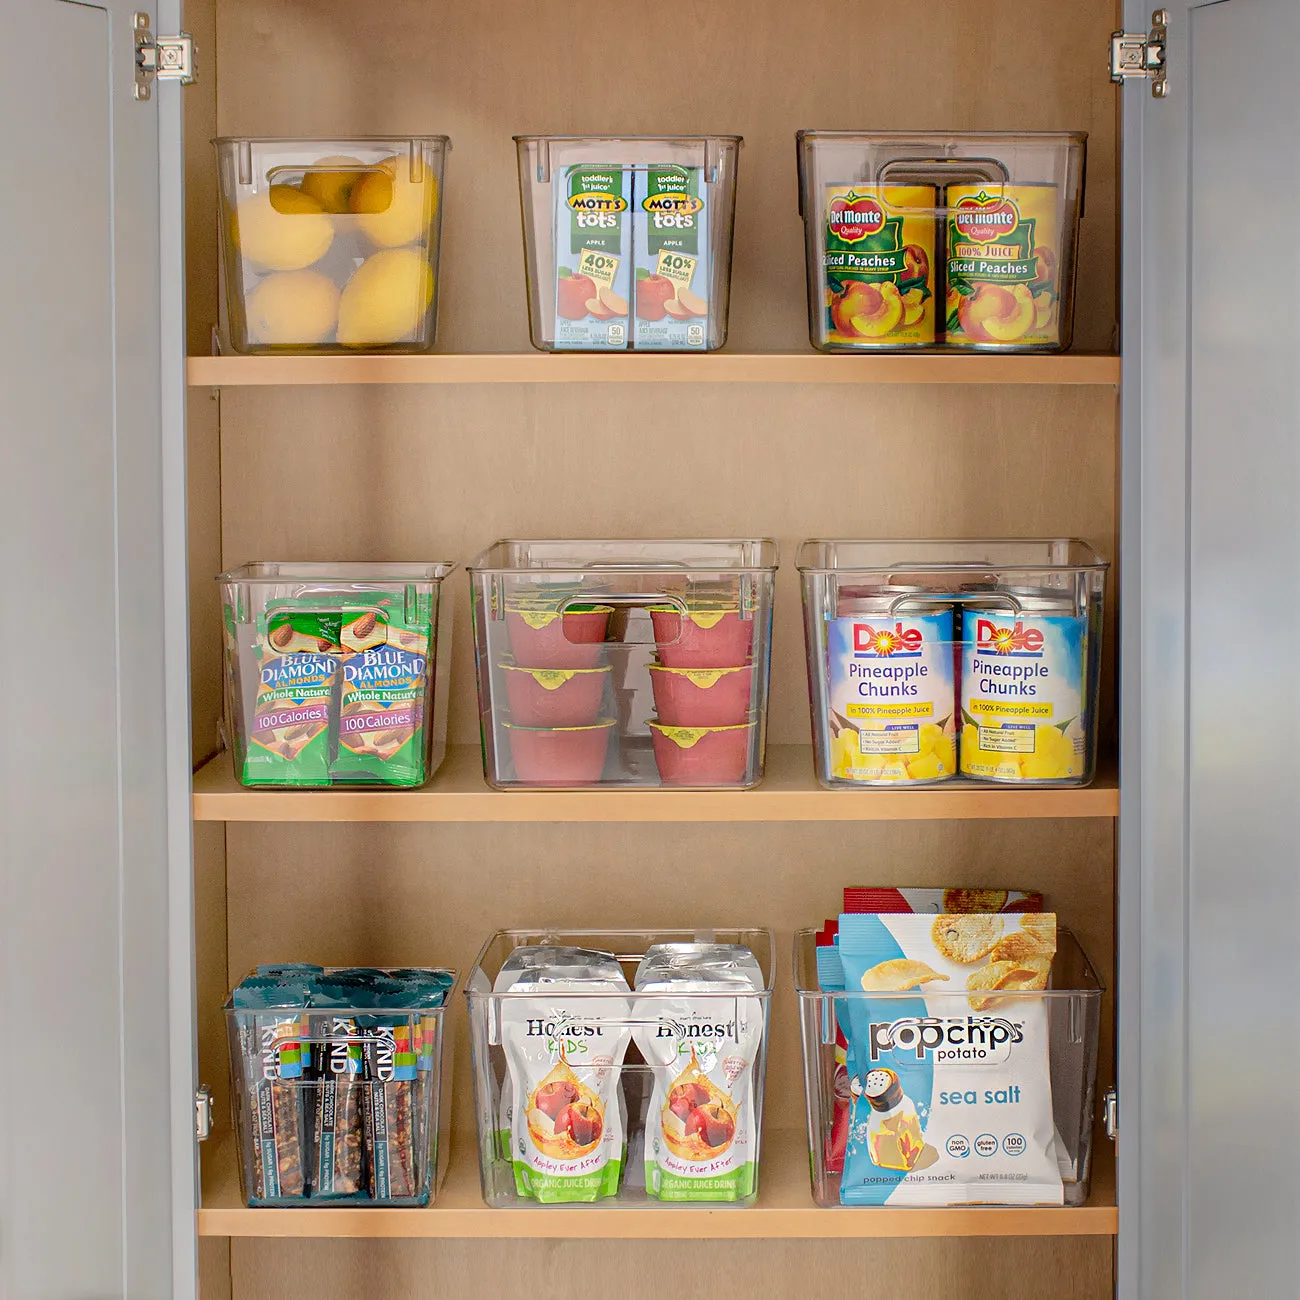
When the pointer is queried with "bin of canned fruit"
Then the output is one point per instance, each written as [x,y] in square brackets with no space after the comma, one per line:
[339,1080]
[931,661]
[623,1066]
[623,663]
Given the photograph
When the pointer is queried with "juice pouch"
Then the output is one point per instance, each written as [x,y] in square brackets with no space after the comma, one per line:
[593,257]
[670,245]
[564,1053]
[1023,690]
[891,692]
[384,691]
[299,669]
[951,1095]
[1002,266]
[702,1127]
[878,266]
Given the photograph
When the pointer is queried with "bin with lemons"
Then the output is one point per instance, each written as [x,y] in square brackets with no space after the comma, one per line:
[331,246]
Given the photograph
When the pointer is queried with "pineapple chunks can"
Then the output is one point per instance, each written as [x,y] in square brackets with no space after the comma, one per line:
[892,690]
[1023,690]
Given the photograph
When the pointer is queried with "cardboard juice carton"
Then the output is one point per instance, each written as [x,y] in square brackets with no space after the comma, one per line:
[593,246]
[670,244]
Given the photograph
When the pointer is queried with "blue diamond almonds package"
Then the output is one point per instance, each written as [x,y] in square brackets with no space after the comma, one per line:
[950,1088]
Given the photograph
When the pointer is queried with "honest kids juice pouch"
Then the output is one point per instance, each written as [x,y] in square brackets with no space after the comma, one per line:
[951,1084]
[702,1043]
[593,257]
[878,266]
[670,245]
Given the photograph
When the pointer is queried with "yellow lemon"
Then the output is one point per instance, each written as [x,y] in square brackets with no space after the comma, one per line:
[293,307]
[281,229]
[332,189]
[385,300]
[393,209]
[925,768]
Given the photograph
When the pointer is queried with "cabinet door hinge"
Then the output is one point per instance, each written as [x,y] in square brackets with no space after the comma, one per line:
[161,58]
[202,1113]
[1110,1113]
[1135,57]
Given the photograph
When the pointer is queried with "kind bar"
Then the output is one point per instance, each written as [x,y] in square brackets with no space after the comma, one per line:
[950,1082]
[339,1165]
[389,1107]
[298,666]
[876,899]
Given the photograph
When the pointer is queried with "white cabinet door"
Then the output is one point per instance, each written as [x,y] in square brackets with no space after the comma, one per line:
[1210,857]
[96,1114]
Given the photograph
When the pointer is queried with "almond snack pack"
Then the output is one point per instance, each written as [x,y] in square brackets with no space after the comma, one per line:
[701,1041]
[949,1082]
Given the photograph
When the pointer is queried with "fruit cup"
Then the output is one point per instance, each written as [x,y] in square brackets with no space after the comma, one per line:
[702,697]
[702,755]
[554,697]
[545,638]
[703,638]
[560,755]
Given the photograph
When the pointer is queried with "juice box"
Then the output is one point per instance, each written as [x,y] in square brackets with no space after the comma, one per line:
[1002,266]
[670,241]
[878,266]
[593,238]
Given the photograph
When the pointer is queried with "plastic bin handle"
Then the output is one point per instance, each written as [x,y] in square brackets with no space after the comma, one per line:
[943,171]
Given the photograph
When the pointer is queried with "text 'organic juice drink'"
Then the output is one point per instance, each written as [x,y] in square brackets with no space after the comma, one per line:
[670,239]
[878,266]
[1022,690]
[891,692]
[1002,266]
[593,258]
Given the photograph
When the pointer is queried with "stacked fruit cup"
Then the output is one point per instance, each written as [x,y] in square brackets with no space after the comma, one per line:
[331,246]
[703,690]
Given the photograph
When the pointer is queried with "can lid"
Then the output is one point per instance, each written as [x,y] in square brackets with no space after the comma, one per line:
[882,1089]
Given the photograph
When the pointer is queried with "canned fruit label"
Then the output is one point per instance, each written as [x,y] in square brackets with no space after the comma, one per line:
[1002,265]
[1022,693]
[670,243]
[878,265]
[892,698]
[592,258]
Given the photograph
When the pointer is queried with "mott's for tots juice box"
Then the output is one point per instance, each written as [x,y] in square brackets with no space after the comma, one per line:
[593,245]
[878,266]
[892,694]
[670,239]
[1002,266]
[1023,691]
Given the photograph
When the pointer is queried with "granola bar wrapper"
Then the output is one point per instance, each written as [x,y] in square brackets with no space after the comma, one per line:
[339,1166]
[394,1171]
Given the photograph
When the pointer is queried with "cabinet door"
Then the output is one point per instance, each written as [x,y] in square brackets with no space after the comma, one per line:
[96,1093]
[1209,951]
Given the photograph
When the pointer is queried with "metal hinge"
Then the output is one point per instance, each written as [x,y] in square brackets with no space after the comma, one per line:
[1134,57]
[165,58]
[202,1112]
[1110,1113]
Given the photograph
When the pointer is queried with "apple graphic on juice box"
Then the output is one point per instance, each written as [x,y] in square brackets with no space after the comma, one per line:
[581,1121]
[572,294]
[686,1097]
[713,1123]
[553,1097]
[652,293]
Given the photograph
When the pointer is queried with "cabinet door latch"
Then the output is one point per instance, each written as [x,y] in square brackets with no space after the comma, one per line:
[1135,57]
[160,58]
[202,1113]
[1110,1113]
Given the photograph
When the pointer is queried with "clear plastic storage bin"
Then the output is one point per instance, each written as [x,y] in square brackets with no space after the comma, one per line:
[835,1092]
[931,661]
[331,245]
[336,674]
[923,239]
[346,1106]
[617,663]
[628,240]
[683,1130]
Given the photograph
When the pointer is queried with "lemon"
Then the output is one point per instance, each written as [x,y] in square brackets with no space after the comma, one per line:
[393,210]
[281,229]
[293,307]
[385,300]
[332,189]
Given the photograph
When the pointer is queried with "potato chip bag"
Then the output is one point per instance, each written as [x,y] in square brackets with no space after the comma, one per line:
[950,1082]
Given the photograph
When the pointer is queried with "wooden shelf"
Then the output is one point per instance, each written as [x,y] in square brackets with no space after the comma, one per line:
[717,368]
[785,1209]
[789,793]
